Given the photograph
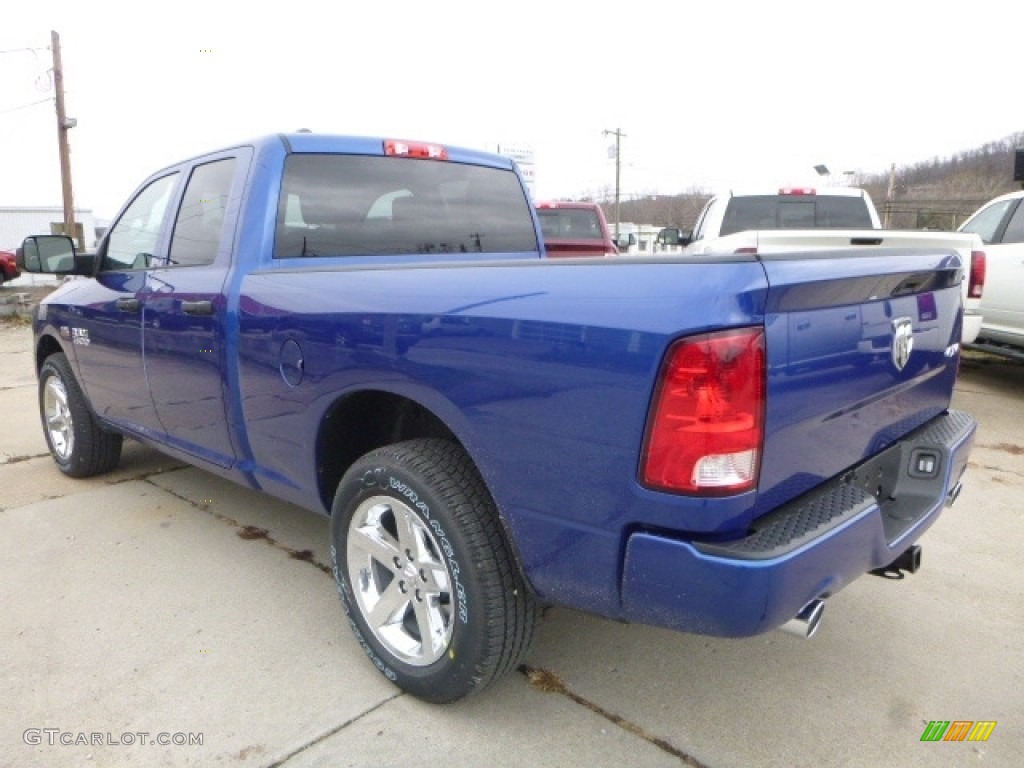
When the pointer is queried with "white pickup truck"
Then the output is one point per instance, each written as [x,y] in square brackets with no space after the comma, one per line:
[795,219]
[1000,225]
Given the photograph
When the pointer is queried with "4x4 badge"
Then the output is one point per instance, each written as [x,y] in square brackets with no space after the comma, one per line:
[902,341]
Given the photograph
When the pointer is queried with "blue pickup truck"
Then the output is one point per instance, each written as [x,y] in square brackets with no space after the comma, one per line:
[371,329]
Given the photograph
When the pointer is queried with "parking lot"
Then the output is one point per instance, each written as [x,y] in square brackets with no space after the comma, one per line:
[160,616]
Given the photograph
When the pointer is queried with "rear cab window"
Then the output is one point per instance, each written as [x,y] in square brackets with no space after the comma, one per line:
[795,212]
[357,205]
[569,223]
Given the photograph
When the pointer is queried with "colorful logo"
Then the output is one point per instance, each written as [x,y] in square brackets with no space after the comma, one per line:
[958,730]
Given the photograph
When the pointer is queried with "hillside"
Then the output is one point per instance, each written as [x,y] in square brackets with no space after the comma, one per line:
[937,194]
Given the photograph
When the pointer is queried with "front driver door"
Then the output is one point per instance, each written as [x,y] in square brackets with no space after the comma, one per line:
[106,327]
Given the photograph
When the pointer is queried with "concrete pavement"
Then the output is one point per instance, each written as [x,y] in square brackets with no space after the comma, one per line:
[161,600]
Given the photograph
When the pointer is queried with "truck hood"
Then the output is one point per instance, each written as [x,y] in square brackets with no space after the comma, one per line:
[860,351]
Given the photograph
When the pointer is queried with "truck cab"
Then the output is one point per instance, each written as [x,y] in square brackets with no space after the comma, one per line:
[576,229]
[785,208]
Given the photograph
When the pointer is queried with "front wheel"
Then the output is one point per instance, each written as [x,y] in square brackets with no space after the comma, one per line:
[77,443]
[426,575]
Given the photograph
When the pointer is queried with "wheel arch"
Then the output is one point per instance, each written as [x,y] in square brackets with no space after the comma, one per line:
[362,421]
[48,345]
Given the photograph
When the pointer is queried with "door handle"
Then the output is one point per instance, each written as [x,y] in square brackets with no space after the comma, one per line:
[197,307]
[128,305]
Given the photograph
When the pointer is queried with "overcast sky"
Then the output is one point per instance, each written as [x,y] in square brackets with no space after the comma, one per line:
[709,95]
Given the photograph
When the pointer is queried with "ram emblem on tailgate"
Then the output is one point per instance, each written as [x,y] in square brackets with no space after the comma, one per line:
[902,341]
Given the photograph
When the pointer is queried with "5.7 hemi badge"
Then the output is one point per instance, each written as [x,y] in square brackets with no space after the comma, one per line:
[78,336]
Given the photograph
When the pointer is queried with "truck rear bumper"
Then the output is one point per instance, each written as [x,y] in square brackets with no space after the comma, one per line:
[809,548]
[972,327]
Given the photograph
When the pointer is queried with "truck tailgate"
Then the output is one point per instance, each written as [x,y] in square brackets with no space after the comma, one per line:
[861,350]
[790,240]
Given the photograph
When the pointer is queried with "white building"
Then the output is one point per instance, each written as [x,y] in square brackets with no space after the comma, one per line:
[17,223]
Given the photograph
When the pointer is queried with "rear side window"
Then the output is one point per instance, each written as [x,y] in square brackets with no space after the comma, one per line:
[568,223]
[347,205]
[795,212]
[197,230]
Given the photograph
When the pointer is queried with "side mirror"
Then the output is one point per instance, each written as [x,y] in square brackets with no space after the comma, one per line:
[625,240]
[53,255]
[674,236]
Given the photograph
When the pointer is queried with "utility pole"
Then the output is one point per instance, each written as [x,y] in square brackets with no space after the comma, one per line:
[63,126]
[889,196]
[619,136]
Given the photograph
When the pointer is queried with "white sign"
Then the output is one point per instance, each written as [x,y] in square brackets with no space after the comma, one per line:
[523,156]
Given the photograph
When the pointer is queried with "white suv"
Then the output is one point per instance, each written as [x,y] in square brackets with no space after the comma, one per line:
[1000,224]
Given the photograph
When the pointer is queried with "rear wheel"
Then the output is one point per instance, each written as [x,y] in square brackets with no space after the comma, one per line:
[77,443]
[426,575]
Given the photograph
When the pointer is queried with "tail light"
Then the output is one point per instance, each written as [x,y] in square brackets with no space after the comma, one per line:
[706,427]
[419,149]
[977,284]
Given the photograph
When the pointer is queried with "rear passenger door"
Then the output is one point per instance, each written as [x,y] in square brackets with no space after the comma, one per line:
[186,311]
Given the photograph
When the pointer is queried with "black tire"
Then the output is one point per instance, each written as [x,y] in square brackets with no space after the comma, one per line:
[77,443]
[462,581]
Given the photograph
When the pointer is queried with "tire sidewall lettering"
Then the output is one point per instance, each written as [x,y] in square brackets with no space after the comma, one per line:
[378,479]
[434,482]
[347,602]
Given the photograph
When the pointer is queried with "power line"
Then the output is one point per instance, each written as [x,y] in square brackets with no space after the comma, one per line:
[24,106]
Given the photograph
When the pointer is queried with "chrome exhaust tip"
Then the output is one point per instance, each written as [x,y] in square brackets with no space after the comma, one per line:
[806,622]
[954,494]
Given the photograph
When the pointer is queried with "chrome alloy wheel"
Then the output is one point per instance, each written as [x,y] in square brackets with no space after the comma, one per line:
[59,425]
[401,583]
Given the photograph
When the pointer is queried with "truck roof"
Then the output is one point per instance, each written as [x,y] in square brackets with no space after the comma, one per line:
[577,204]
[798,190]
[324,143]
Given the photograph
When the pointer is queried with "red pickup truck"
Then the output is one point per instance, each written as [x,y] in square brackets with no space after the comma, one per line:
[8,267]
[575,229]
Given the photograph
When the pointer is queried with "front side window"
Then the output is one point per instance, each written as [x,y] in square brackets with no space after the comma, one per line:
[133,239]
[200,221]
[698,230]
[347,205]
[986,221]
